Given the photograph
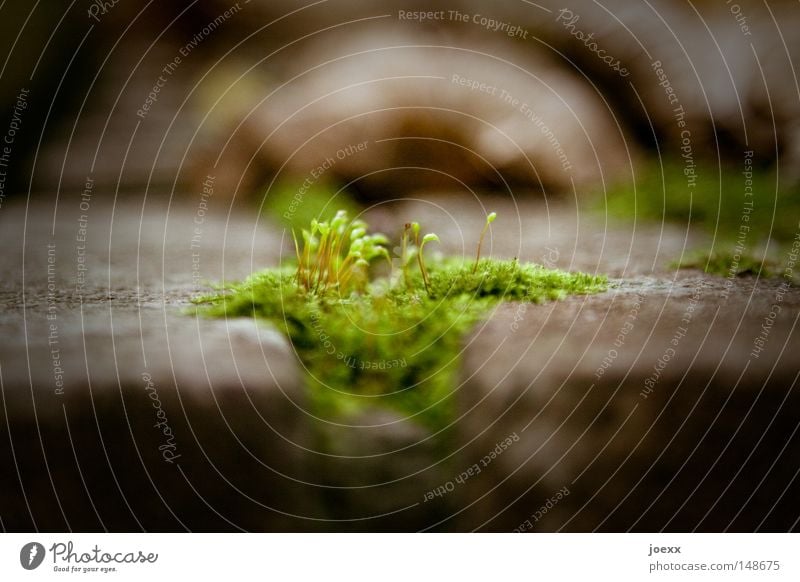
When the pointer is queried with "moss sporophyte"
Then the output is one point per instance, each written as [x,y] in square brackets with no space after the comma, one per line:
[373,332]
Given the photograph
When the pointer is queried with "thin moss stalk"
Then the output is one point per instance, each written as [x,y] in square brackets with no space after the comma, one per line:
[489,220]
[425,279]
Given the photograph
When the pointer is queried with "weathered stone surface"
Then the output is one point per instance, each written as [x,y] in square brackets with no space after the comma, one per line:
[716,434]
[638,444]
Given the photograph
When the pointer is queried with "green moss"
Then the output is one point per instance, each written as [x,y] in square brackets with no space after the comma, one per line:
[391,343]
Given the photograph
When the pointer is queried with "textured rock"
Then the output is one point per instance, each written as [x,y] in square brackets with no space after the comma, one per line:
[639,444]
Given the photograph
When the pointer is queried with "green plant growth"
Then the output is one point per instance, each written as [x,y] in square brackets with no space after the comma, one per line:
[336,255]
[375,333]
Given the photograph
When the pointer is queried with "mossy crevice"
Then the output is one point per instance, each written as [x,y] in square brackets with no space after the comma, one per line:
[393,341]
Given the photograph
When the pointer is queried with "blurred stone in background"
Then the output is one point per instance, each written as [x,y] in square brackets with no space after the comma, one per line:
[164,95]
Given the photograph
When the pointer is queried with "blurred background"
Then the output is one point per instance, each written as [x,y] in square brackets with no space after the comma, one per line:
[538,96]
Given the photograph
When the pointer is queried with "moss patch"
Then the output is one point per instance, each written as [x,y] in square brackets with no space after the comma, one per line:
[392,341]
